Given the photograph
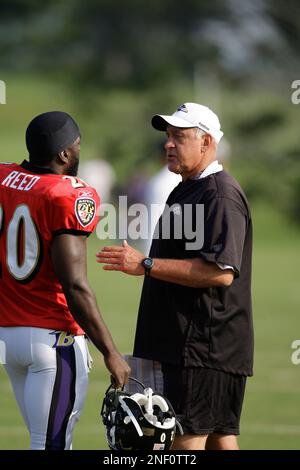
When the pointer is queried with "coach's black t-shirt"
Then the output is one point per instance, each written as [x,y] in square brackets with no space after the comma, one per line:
[205,327]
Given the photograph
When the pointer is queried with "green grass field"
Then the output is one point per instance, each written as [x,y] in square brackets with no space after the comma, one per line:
[271,416]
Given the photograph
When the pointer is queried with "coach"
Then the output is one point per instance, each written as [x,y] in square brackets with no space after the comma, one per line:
[195,313]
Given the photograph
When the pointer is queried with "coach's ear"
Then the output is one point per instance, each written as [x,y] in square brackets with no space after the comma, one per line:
[206,142]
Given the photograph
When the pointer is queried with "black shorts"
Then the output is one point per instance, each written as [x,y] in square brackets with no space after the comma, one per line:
[205,400]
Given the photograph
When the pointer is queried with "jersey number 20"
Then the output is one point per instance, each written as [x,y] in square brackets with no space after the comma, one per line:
[22,244]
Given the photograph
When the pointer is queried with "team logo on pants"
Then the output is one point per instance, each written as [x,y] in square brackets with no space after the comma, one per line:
[63,339]
[85,209]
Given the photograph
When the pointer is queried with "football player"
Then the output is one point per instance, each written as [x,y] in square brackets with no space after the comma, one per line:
[47,305]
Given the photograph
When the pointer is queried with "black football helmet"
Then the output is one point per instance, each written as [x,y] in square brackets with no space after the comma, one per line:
[139,421]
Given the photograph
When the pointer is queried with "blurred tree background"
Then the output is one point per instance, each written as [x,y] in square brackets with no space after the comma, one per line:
[112,64]
[122,61]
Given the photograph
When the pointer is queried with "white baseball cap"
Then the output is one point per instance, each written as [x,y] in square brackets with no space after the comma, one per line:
[191,115]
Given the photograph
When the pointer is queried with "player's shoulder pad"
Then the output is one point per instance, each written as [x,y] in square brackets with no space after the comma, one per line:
[73,187]
[76,194]
[4,166]
[8,164]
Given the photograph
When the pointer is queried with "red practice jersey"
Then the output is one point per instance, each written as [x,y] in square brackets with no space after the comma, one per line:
[35,206]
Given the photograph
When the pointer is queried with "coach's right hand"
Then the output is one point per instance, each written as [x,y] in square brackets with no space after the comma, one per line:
[118,368]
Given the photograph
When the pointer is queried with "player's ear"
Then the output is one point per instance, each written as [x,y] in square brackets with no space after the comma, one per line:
[63,156]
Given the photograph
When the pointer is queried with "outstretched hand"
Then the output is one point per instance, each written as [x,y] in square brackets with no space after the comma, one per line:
[121,258]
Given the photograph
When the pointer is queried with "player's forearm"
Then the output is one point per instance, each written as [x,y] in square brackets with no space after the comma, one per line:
[194,272]
[83,306]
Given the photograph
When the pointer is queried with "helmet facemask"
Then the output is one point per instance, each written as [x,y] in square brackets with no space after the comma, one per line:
[139,421]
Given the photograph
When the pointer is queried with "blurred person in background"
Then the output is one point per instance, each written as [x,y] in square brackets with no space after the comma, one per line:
[224,153]
[195,314]
[99,174]
[47,305]
[157,190]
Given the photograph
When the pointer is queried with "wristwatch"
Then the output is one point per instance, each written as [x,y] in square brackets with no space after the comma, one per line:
[148,265]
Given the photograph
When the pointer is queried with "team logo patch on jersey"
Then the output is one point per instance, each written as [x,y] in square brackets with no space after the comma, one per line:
[85,209]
